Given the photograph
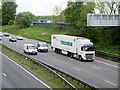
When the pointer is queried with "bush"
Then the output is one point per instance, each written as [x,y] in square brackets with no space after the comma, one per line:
[87,32]
[11,22]
[24,19]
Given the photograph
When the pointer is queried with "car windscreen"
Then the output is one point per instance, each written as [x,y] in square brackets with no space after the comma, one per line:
[13,37]
[43,45]
[32,47]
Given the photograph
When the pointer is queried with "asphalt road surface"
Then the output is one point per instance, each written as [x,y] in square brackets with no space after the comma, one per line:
[101,73]
[13,76]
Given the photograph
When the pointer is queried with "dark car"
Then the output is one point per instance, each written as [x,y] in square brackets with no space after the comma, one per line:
[13,39]
[1,35]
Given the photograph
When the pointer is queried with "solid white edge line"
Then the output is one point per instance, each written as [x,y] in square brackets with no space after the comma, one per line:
[107,64]
[26,71]
[110,83]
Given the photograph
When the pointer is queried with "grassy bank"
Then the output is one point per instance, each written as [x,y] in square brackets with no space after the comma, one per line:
[115,49]
[33,32]
[39,71]
[45,34]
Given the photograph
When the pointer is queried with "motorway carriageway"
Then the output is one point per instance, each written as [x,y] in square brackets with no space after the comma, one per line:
[101,73]
[15,76]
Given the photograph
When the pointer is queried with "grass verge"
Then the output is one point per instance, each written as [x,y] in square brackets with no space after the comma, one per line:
[39,71]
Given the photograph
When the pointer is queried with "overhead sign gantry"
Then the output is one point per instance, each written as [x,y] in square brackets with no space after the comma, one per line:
[103,19]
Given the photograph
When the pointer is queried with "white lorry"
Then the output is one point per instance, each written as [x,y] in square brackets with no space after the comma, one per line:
[30,49]
[42,46]
[77,47]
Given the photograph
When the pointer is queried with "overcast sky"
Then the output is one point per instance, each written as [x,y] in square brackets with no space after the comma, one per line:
[40,7]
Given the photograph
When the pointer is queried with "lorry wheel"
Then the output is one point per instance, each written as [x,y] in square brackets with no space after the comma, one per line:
[55,50]
[71,55]
[24,51]
[68,54]
[79,58]
[59,51]
[28,53]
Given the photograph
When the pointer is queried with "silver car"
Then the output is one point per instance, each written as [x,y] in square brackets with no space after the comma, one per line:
[13,38]
[19,37]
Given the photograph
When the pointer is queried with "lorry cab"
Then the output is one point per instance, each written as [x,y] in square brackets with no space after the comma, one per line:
[42,46]
[30,49]
[86,50]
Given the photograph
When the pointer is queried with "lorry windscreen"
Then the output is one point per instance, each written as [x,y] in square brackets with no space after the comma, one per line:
[88,48]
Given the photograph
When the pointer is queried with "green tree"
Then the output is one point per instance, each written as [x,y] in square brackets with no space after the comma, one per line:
[24,19]
[8,11]
[62,16]
[107,7]
[0,16]
[87,8]
[56,16]
[11,22]
[72,12]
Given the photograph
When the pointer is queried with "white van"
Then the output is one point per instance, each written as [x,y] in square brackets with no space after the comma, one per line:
[30,49]
[42,46]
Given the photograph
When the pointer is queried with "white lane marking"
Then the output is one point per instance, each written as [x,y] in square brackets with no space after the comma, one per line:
[55,60]
[54,53]
[77,69]
[107,64]
[110,82]
[71,59]
[96,67]
[4,75]
[26,71]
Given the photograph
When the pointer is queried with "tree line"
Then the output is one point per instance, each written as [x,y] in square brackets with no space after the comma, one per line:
[9,17]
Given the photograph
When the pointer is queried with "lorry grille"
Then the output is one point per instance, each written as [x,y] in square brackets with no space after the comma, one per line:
[89,56]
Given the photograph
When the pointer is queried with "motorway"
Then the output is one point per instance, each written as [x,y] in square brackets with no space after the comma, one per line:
[14,76]
[101,73]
